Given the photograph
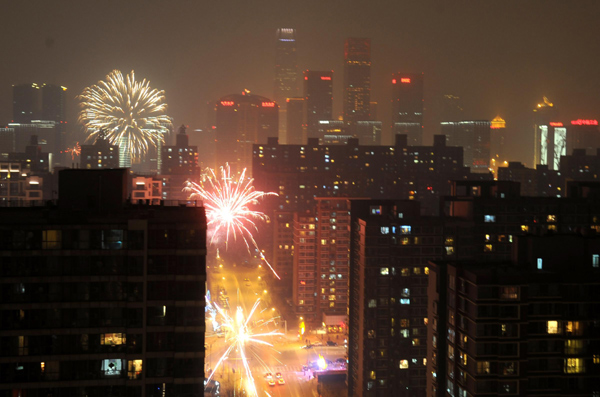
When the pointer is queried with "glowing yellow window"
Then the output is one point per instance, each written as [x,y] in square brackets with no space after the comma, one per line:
[574,365]
[552,327]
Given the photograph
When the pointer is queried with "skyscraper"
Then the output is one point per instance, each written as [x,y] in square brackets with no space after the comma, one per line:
[296,128]
[318,94]
[242,120]
[407,106]
[543,114]
[286,72]
[26,103]
[474,138]
[357,80]
[497,142]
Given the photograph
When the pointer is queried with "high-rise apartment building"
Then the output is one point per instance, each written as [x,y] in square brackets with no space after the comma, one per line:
[298,173]
[243,120]
[357,80]
[100,155]
[528,327]
[452,109]
[26,103]
[101,297]
[321,264]
[318,97]
[296,123]
[407,106]
[387,335]
[368,132]
[474,138]
[181,159]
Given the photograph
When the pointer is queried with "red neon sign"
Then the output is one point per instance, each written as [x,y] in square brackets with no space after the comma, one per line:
[405,80]
[268,104]
[393,81]
[584,122]
[325,78]
[555,124]
[227,103]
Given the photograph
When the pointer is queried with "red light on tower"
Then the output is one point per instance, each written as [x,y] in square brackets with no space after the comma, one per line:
[268,104]
[393,81]
[584,122]
[555,124]
[405,80]
[305,77]
[325,78]
[227,103]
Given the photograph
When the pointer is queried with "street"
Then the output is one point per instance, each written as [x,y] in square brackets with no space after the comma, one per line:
[243,286]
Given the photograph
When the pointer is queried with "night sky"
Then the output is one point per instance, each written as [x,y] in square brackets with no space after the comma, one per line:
[500,57]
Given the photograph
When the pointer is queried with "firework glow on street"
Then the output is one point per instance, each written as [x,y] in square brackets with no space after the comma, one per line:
[127,112]
[226,200]
[238,334]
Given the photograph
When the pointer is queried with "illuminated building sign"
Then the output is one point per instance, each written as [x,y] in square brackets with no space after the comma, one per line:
[405,80]
[555,124]
[498,123]
[268,104]
[227,103]
[584,122]
[325,78]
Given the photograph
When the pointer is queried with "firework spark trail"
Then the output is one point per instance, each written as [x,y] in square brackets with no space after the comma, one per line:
[240,334]
[226,201]
[125,109]
[75,150]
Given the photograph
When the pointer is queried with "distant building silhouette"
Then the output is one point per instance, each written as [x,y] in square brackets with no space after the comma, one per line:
[357,80]
[318,97]
[407,106]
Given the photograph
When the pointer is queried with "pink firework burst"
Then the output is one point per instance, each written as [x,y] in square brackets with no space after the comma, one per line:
[226,201]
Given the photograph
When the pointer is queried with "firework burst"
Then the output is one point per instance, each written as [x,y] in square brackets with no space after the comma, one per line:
[75,150]
[126,111]
[226,200]
[239,333]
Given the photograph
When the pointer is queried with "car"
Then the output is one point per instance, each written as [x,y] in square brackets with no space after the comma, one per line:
[331,343]
[317,344]
[271,382]
[280,381]
[278,375]
[307,347]
[268,376]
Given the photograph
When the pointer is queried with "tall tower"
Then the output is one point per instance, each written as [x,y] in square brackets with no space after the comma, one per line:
[286,72]
[497,142]
[407,106]
[543,114]
[357,80]
[318,96]
[26,103]
[296,134]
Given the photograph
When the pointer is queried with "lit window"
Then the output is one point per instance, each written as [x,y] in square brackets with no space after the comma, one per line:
[509,293]
[596,358]
[111,367]
[483,367]
[596,260]
[405,301]
[405,229]
[524,228]
[416,342]
[324,241]
[112,339]
[426,270]
[384,271]
[405,272]
[489,218]
[385,230]
[404,333]
[551,218]
[539,263]
[51,239]
[488,248]
[574,328]
[574,365]
[416,270]
[372,303]
[449,250]
[134,369]
[552,327]
[403,364]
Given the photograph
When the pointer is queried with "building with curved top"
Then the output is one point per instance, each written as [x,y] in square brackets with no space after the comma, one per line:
[243,120]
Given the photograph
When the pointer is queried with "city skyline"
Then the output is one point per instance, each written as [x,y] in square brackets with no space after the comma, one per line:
[498,58]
